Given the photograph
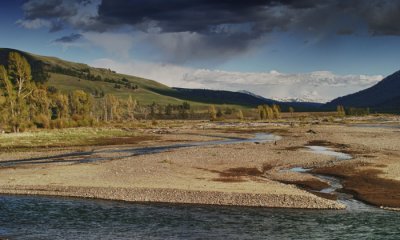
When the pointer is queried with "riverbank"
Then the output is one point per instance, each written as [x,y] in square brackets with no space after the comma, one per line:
[244,174]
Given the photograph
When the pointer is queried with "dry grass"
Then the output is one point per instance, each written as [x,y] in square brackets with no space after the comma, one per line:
[70,137]
[366,185]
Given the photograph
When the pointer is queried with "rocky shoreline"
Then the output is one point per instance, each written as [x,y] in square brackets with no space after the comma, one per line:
[179,196]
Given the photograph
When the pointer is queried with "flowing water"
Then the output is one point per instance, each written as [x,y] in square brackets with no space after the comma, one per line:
[334,182]
[32,217]
[38,217]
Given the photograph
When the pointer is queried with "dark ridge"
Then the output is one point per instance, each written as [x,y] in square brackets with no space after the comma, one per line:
[383,96]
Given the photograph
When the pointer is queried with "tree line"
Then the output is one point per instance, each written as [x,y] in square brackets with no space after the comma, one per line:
[269,112]
[26,103]
[351,111]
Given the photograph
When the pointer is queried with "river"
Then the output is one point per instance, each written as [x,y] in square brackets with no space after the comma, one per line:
[35,217]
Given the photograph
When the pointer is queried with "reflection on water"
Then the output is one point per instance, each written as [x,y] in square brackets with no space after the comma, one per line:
[330,152]
[26,217]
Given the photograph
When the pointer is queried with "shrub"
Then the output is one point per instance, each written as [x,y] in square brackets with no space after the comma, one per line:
[41,121]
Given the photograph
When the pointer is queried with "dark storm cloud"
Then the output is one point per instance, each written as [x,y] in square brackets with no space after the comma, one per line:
[229,26]
[206,16]
[48,9]
[196,15]
[68,39]
[380,16]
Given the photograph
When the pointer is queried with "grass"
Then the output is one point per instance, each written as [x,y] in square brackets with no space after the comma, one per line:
[68,83]
[70,137]
[144,96]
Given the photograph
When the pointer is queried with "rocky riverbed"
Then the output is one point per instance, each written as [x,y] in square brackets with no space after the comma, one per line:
[245,174]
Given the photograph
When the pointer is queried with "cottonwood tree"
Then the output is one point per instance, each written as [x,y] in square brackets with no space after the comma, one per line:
[340,111]
[18,86]
[111,105]
[19,71]
[9,105]
[130,107]
[144,110]
[80,103]
[39,107]
[276,111]
[212,112]
[261,112]
[59,105]
[240,115]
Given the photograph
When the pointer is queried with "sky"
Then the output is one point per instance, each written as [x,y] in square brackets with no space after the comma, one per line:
[310,49]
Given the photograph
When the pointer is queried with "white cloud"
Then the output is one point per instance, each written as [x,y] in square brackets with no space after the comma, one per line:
[34,24]
[318,85]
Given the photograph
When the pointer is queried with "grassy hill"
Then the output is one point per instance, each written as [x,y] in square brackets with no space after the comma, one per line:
[67,76]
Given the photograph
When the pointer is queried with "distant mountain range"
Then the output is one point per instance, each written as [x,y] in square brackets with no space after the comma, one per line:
[298,100]
[383,96]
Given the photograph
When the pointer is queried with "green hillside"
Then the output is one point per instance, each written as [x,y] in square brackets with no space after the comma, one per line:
[68,76]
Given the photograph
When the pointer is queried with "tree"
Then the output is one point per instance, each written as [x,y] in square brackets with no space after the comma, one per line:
[39,104]
[276,111]
[19,71]
[168,110]
[18,86]
[80,103]
[10,97]
[59,106]
[219,113]
[153,109]
[111,105]
[144,110]
[212,112]
[262,112]
[340,111]
[130,107]
[291,110]
[186,105]
[240,115]
[265,112]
